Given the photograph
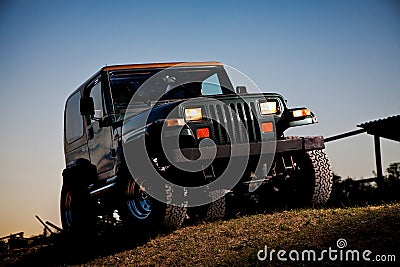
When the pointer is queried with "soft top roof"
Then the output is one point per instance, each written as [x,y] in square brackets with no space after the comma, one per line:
[160,65]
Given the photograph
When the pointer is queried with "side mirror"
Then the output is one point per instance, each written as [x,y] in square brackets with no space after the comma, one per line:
[241,90]
[87,106]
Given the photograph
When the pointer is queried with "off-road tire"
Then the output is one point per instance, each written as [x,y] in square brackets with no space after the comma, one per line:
[162,216]
[322,176]
[310,185]
[78,212]
[312,181]
[217,209]
[173,216]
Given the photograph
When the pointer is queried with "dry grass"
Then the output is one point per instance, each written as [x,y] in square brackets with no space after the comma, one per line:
[236,242]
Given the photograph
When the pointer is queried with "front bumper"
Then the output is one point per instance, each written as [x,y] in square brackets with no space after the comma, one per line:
[250,149]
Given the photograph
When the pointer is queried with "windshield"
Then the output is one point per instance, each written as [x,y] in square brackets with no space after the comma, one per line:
[165,84]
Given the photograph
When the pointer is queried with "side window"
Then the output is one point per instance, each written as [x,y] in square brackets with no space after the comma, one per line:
[97,99]
[211,86]
[73,119]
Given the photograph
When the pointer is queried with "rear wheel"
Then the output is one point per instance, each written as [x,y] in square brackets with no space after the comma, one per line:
[78,216]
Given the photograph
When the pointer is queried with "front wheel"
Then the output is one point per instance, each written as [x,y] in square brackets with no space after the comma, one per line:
[217,209]
[141,212]
[322,174]
[311,183]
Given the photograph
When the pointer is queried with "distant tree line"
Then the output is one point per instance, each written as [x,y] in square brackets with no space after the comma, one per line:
[352,192]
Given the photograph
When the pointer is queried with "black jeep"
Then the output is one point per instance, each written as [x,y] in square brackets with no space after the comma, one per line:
[151,145]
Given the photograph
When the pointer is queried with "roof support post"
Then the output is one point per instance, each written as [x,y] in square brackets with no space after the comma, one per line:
[378,158]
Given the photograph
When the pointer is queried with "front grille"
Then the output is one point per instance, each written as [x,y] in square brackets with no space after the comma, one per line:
[234,122]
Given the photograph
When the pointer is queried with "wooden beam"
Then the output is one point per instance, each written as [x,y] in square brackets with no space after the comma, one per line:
[378,158]
[340,136]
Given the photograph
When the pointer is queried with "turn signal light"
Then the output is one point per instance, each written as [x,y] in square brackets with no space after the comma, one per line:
[301,112]
[203,133]
[174,122]
[267,127]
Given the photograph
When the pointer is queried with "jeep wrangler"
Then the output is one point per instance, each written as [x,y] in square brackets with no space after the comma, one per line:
[138,138]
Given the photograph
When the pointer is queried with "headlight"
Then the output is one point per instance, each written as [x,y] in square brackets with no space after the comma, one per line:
[193,114]
[268,107]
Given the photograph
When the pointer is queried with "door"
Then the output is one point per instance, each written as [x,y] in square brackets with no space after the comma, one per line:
[100,138]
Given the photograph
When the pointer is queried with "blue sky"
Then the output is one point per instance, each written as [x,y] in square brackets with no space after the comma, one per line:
[340,58]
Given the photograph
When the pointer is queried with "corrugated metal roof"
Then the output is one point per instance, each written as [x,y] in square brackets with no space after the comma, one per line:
[387,128]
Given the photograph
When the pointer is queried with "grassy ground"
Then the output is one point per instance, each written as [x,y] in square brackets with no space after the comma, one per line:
[236,242]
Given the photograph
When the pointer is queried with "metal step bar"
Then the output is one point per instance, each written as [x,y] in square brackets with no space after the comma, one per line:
[110,183]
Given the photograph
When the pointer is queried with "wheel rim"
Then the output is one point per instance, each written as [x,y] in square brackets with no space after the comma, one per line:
[138,202]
